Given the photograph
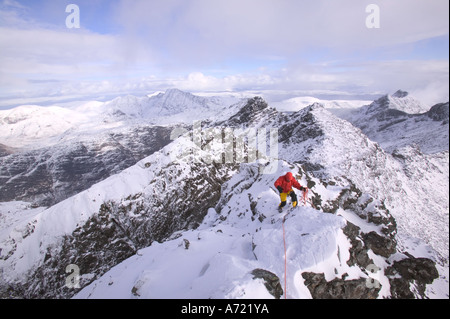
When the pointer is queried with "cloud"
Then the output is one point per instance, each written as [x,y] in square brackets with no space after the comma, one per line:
[208,31]
[204,45]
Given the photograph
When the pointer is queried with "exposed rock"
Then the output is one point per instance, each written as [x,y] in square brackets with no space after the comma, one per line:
[271,281]
[358,251]
[186,243]
[339,288]
[249,113]
[439,112]
[380,245]
[412,271]
[52,174]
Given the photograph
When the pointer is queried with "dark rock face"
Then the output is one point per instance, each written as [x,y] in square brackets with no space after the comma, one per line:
[439,112]
[359,251]
[339,288]
[379,244]
[300,126]
[271,281]
[119,229]
[50,175]
[400,94]
[93,248]
[250,113]
[416,271]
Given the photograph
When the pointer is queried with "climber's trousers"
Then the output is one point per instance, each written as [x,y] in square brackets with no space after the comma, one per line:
[283,197]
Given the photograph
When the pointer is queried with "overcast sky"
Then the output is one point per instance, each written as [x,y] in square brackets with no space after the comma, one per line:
[280,48]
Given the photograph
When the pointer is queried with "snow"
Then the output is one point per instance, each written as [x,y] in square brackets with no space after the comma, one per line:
[410,126]
[13,215]
[33,126]
[49,225]
[244,231]
[346,151]
[218,257]
[228,246]
[404,102]
[25,125]
[297,103]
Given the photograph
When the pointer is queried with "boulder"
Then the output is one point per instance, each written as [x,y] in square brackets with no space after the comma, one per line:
[417,272]
[271,281]
[339,288]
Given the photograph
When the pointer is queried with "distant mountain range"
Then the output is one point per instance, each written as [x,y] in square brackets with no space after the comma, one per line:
[171,196]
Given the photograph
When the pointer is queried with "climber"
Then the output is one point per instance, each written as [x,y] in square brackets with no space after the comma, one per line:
[284,185]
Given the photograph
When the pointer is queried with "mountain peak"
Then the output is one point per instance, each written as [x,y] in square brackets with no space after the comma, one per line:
[250,112]
[400,94]
[401,101]
[175,92]
[315,106]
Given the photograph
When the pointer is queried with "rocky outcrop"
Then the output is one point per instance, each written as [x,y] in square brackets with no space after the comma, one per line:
[250,114]
[49,175]
[185,193]
[179,194]
[380,245]
[271,281]
[439,112]
[408,277]
[358,251]
[339,288]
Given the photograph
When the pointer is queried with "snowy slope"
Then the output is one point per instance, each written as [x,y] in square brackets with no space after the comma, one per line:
[403,101]
[43,234]
[220,260]
[297,103]
[399,120]
[34,126]
[56,152]
[172,106]
[50,174]
[182,223]
[233,241]
[245,233]
[402,181]
[26,125]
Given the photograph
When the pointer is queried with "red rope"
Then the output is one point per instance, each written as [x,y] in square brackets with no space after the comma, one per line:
[305,198]
[285,262]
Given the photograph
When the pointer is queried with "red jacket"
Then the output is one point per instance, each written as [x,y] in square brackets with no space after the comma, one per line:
[287,182]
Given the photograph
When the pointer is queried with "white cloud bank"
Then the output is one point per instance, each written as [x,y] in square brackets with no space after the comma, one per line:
[234,45]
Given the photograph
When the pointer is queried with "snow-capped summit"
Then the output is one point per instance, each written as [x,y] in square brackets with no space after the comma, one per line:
[400,94]
[28,126]
[400,101]
[32,126]
[172,106]
[53,150]
[399,120]
[297,103]
[186,220]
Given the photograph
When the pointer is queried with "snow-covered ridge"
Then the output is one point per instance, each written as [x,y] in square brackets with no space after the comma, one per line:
[399,120]
[297,103]
[24,125]
[334,147]
[35,126]
[403,101]
[55,152]
[217,226]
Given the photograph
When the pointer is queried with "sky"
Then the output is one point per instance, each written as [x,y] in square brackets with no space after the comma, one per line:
[346,49]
